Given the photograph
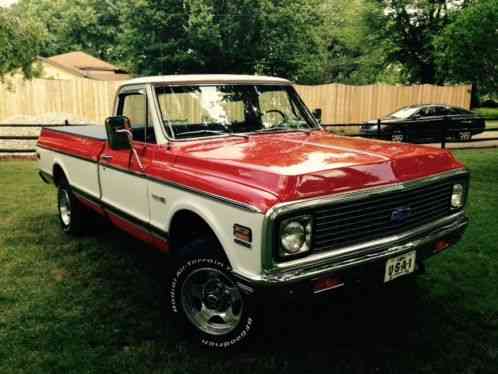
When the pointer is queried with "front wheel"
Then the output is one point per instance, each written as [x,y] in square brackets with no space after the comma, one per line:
[205,298]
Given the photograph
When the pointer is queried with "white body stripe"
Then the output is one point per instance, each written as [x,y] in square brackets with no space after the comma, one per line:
[83,173]
[126,192]
[135,195]
[219,216]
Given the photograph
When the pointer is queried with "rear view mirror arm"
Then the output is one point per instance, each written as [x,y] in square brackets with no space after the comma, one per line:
[134,151]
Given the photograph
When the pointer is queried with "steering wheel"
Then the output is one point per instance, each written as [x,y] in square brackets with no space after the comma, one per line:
[285,118]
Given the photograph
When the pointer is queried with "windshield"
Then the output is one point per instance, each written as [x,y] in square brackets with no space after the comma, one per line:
[197,111]
[403,113]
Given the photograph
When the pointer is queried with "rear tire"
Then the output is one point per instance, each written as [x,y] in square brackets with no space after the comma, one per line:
[464,136]
[73,216]
[398,137]
[203,297]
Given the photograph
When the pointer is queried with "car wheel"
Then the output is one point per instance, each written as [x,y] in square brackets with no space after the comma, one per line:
[397,137]
[203,297]
[464,136]
[73,216]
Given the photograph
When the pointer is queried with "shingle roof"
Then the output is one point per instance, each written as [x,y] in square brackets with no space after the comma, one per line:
[82,61]
[86,66]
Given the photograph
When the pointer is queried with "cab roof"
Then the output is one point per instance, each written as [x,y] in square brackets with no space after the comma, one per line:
[207,79]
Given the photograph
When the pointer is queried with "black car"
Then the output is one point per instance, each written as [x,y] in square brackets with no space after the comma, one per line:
[425,122]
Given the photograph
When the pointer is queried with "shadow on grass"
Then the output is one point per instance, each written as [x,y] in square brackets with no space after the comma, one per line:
[363,328]
[376,314]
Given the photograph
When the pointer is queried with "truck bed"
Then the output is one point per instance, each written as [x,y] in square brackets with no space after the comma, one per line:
[76,149]
[93,132]
[86,142]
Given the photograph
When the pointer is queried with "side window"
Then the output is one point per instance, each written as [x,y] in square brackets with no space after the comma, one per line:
[426,112]
[441,111]
[422,113]
[134,106]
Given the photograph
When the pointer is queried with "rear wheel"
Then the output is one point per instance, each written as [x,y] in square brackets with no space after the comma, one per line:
[73,216]
[398,137]
[464,136]
[204,297]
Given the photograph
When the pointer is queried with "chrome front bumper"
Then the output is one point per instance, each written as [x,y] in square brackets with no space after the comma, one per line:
[329,262]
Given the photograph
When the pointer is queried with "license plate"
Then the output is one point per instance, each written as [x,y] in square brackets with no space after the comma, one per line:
[399,266]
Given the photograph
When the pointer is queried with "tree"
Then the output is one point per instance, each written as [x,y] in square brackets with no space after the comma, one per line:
[354,54]
[240,36]
[467,49]
[154,40]
[408,29]
[20,42]
[89,25]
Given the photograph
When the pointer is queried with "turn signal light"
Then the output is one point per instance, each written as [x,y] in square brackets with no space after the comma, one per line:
[325,284]
[441,245]
[242,233]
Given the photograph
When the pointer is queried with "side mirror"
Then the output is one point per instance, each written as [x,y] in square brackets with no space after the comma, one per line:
[317,113]
[118,134]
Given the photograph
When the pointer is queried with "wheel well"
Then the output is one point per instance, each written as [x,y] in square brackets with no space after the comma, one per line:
[187,226]
[58,174]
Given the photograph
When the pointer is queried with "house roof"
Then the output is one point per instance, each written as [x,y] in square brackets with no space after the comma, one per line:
[82,61]
[84,65]
[208,78]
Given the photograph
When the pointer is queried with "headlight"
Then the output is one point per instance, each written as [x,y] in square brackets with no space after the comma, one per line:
[295,236]
[458,196]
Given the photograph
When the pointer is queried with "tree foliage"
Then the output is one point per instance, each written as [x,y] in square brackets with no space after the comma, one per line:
[309,41]
[467,50]
[408,29]
[20,42]
[240,36]
[354,54]
[68,25]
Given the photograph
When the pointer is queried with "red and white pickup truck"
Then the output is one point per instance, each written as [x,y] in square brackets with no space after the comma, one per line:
[236,180]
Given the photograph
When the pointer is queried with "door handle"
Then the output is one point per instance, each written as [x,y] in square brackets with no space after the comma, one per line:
[107,157]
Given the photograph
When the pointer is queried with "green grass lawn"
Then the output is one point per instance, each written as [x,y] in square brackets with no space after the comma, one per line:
[487,113]
[492,124]
[91,305]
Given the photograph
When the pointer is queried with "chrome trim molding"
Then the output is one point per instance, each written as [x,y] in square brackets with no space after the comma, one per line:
[227,201]
[358,250]
[358,194]
[384,248]
[267,260]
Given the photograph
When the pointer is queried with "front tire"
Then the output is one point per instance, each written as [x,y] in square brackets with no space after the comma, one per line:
[203,296]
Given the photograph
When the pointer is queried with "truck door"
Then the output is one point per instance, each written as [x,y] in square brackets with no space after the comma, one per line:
[122,176]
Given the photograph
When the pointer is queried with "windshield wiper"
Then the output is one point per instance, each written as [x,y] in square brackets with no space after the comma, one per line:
[283,128]
[214,132]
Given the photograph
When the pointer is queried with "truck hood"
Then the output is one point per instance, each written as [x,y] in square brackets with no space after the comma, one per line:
[292,166]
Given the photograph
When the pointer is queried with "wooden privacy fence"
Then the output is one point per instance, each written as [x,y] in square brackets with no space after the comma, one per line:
[84,99]
[91,101]
[355,104]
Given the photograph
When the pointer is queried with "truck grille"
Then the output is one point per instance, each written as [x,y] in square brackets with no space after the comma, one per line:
[371,218]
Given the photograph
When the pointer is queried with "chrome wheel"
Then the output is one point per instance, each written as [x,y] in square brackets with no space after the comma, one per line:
[211,301]
[65,207]
[465,135]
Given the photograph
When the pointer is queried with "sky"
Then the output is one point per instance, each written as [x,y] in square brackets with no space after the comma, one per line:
[7,2]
